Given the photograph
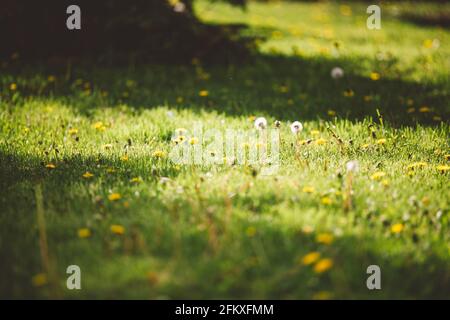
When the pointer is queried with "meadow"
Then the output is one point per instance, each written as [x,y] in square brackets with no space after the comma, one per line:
[86,180]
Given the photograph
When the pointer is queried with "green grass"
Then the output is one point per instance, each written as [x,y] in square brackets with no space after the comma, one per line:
[226,231]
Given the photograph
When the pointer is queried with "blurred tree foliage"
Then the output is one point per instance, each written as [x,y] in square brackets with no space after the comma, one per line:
[150,30]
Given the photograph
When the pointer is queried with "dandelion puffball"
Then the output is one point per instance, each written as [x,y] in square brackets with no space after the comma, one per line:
[296,127]
[337,73]
[260,123]
[352,166]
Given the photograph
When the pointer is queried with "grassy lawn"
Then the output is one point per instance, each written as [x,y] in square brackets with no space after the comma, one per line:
[86,178]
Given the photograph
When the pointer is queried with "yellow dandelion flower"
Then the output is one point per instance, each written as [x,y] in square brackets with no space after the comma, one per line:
[424,109]
[84,233]
[397,228]
[73,131]
[99,126]
[368,98]
[203,93]
[375,76]
[87,175]
[443,168]
[381,141]
[39,280]
[251,231]
[428,43]
[13,86]
[321,141]
[323,265]
[411,110]
[124,158]
[385,182]
[284,89]
[322,295]
[348,93]
[50,166]
[315,133]
[193,141]
[377,175]
[117,229]
[310,258]
[326,201]
[136,180]
[365,146]
[158,154]
[114,197]
[416,165]
[426,201]
[325,238]
[308,189]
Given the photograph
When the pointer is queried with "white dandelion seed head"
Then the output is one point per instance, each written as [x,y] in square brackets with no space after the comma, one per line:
[179,7]
[352,166]
[296,127]
[337,73]
[260,123]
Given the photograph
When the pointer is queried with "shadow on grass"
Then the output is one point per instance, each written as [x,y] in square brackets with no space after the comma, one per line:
[286,88]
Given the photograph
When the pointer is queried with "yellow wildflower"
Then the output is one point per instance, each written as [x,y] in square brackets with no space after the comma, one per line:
[315,133]
[375,76]
[377,175]
[323,265]
[325,238]
[114,196]
[321,141]
[203,93]
[107,146]
[84,233]
[308,189]
[117,229]
[443,168]
[13,86]
[136,180]
[381,141]
[322,295]
[310,258]
[397,228]
[424,109]
[124,158]
[416,165]
[326,201]
[159,154]
[50,166]
[331,113]
[99,126]
[193,141]
[447,157]
[39,280]
[73,131]
[87,175]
